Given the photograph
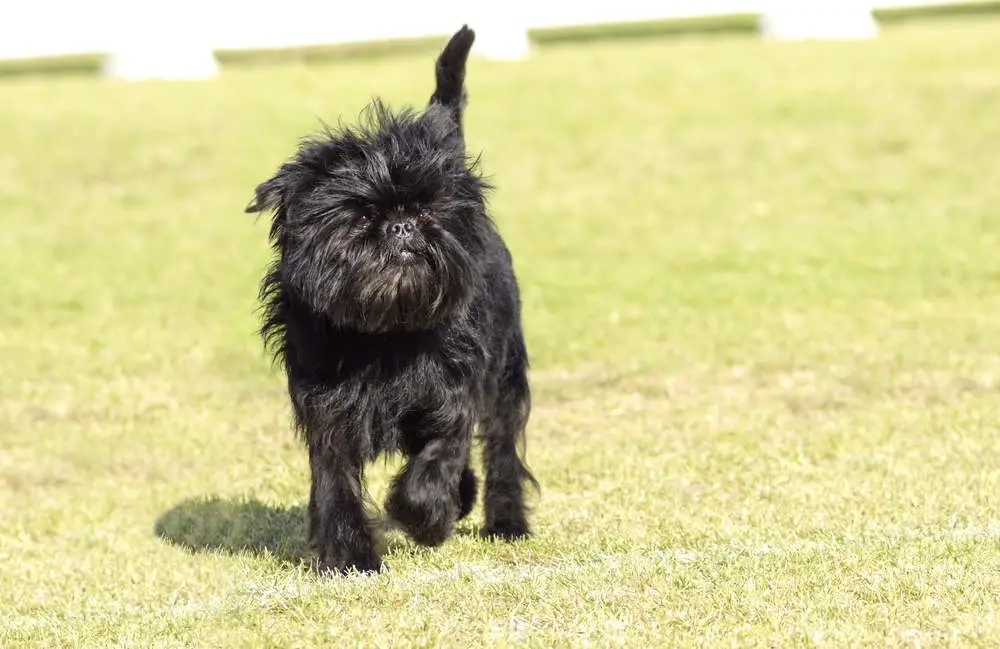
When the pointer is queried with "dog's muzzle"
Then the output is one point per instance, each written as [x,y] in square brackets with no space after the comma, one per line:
[404,229]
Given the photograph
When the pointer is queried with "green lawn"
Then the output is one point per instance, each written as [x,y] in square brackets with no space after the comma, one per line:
[762,296]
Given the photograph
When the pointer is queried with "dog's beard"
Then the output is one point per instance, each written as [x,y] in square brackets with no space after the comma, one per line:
[412,290]
[379,290]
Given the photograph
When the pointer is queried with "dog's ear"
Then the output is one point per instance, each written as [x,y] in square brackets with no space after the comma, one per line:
[271,194]
[449,91]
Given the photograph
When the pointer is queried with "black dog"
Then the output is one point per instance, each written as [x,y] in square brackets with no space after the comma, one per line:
[393,307]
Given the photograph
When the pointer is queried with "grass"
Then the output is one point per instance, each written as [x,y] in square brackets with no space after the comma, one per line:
[762,294]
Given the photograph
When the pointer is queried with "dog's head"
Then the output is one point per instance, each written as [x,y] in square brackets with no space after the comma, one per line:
[379,227]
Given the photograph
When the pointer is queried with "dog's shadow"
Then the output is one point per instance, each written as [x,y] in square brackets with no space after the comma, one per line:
[236,526]
[249,526]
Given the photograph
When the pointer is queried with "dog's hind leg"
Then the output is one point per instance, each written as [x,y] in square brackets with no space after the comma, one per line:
[338,526]
[467,489]
[433,489]
[502,431]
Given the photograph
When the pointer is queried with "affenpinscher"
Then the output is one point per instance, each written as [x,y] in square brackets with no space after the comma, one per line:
[393,307]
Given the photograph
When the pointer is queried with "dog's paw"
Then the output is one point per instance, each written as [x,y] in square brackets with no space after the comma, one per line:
[428,521]
[365,565]
[505,531]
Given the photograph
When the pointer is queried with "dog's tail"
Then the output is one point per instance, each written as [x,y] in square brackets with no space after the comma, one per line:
[450,74]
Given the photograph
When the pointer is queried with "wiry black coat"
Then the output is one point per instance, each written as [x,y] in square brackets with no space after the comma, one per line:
[393,307]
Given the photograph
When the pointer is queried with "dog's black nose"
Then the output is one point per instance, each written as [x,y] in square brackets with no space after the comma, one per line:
[402,229]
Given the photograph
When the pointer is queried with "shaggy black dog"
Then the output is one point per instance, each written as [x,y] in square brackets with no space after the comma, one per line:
[393,308]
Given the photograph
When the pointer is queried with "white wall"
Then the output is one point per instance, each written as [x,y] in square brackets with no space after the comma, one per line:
[35,28]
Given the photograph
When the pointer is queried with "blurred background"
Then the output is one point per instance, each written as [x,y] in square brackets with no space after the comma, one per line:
[169,39]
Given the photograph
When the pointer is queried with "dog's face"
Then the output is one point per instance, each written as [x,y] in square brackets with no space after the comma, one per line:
[379,228]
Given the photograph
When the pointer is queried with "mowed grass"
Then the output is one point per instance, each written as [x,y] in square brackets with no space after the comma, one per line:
[762,296]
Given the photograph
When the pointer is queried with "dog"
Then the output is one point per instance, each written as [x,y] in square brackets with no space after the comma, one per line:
[392,306]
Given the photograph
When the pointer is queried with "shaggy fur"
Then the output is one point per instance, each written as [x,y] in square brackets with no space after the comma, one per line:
[393,307]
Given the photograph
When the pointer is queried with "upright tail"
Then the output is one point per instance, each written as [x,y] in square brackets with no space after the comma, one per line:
[450,74]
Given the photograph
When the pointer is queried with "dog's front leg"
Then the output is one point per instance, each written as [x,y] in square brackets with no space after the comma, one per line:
[425,497]
[338,526]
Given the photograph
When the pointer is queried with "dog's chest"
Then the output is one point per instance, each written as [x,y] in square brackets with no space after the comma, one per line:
[395,399]
[370,387]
